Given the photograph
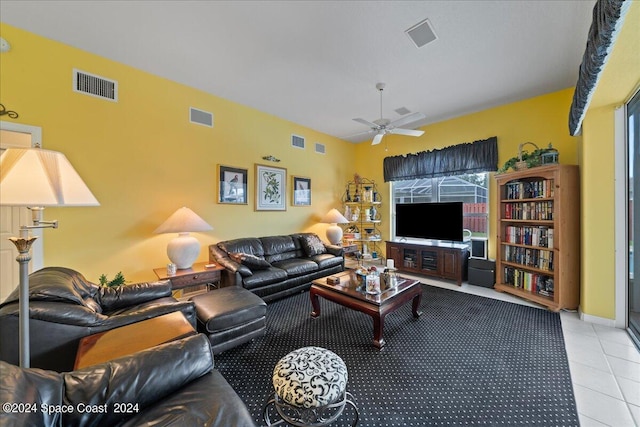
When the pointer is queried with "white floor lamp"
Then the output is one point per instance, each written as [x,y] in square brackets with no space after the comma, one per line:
[36,178]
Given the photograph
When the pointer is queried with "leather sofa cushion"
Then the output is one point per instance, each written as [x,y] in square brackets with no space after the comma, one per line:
[250,261]
[112,298]
[227,308]
[278,248]
[296,266]
[264,277]
[57,284]
[327,260]
[248,245]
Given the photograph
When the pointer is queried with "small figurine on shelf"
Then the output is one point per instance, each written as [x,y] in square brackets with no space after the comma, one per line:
[357,179]
[347,198]
[372,213]
[375,196]
[356,198]
[356,214]
[347,212]
[368,197]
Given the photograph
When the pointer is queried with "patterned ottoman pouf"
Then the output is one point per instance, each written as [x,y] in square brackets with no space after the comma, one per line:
[310,387]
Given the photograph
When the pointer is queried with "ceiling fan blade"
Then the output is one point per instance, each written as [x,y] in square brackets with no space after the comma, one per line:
[408,132]
[407,119]
[359,134]
[367,123]
[377,139]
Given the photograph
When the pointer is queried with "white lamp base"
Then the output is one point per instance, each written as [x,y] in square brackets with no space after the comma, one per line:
[183,251]
[334,234]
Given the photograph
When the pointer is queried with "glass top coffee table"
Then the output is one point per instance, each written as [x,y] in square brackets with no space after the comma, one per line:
[350,293]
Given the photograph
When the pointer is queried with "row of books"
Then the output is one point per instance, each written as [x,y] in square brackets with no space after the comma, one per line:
[538,283]
[529,210]
[536,258]
[526,235]
[529,189]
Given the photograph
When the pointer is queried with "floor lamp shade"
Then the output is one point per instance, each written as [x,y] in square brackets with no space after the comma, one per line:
[183,250]
[334,231]
[35,178]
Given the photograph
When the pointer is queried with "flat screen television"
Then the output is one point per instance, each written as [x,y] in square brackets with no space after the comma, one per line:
[438,221]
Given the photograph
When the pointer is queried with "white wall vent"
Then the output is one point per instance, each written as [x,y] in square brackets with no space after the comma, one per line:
[297,141]
[320,148]
[200,117]
[93,85]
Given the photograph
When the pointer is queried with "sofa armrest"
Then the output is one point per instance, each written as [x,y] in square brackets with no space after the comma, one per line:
[140,380]
[149,310]
[208,401]
[221,257]
[334,249]
[115,297]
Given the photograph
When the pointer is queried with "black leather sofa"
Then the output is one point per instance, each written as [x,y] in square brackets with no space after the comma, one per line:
[276,266]
[64,307]
[174,384]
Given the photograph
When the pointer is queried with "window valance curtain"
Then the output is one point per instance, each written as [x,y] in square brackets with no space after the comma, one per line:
[470,157]
[608,16]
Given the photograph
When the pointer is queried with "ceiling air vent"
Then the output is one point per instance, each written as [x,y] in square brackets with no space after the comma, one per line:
[297,141]
[200,117]
[320,148]
[93,85]
[422,33]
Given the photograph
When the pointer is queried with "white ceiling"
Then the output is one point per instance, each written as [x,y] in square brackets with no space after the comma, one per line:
[316,63]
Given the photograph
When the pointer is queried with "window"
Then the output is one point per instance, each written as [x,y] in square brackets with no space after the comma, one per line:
[471,189]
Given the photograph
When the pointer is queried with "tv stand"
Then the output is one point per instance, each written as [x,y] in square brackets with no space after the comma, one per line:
[443,260]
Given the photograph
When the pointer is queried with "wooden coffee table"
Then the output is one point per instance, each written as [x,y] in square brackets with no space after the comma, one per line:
[129,339]
[349,293]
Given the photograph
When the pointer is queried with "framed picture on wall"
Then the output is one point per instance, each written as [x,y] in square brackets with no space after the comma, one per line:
[271,188]
[301,191]
[232,185]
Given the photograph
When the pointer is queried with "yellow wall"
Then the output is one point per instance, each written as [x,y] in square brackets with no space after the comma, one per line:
[619,79]
[541,120]
[142,158]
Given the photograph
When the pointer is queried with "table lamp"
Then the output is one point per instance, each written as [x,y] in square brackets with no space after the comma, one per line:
[184,249]
[36,178]
[334,232]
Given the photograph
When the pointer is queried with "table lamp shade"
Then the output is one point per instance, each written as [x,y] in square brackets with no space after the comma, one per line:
[184,249]
[334,232]
[36,177]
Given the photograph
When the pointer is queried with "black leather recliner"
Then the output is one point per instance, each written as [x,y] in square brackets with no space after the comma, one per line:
[173,384]
[65,307]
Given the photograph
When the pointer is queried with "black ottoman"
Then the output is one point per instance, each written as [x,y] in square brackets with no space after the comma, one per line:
[230,316]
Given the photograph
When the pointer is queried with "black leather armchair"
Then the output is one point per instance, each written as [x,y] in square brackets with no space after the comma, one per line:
[64,307]
[174,384]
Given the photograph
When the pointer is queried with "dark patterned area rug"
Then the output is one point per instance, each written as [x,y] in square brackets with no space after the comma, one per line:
[468,360]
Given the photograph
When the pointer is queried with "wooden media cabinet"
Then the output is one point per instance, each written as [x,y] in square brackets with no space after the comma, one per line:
[442,260]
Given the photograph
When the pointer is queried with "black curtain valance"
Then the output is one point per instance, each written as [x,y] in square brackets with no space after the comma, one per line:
[608,16]
[470,157]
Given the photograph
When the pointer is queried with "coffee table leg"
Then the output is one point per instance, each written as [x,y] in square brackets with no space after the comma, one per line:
[378,326]
[314,303]
[416,304]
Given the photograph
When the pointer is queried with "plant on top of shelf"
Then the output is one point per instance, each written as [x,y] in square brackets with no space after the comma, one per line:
[524,159]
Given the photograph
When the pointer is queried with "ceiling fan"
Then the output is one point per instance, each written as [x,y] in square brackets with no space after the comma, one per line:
[384,126]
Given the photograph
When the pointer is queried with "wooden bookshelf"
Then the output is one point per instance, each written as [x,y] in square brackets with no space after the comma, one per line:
[538,253]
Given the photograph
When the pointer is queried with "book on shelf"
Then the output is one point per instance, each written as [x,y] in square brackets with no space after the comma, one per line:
[529,189]
[540,236]
[528,281]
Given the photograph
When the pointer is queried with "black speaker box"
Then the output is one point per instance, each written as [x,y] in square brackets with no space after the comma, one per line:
[482,272]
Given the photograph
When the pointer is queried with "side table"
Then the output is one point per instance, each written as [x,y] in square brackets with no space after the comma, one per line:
[193,280]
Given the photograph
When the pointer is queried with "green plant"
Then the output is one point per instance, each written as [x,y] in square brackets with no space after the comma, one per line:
[532,159]
[118,280]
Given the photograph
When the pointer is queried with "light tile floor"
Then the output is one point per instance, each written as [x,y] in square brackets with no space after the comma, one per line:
[604,364]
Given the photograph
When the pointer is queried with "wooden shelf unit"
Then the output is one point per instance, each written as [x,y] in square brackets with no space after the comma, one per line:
[538,238]
[360,198]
